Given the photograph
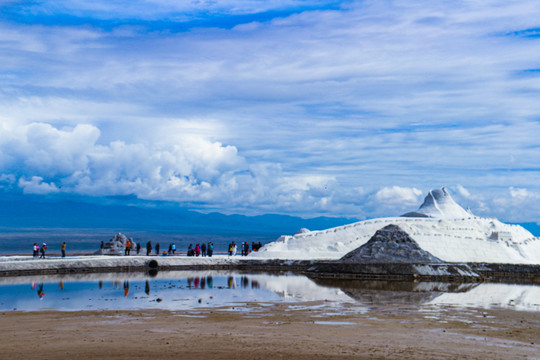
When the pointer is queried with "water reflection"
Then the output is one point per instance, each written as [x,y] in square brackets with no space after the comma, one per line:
[40,292]
[379,292]
[191,289]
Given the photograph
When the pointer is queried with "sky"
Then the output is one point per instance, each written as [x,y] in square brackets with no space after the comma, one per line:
[299,107]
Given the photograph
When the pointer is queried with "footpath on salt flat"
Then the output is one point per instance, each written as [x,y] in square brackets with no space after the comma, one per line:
[27,265]
[319,268]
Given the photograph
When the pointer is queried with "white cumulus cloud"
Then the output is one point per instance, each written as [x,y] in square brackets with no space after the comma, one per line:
[398,195]
[36,185]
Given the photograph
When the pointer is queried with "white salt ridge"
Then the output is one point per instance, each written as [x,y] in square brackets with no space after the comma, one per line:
[465,239]
[439,204]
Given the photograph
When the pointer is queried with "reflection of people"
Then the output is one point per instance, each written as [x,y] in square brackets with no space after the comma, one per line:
[126,288]
[196,282]
[100,284]
[40,292]
[147,288]
[61,285]
[210,281]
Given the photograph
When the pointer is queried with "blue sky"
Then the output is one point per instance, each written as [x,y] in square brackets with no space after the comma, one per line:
[353,108]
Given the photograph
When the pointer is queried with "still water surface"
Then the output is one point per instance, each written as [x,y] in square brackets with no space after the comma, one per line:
[184,290]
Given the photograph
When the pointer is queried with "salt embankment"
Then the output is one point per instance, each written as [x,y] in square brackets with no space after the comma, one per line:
[18,265]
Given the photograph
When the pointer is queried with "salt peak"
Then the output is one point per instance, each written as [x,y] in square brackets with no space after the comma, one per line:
[439,204]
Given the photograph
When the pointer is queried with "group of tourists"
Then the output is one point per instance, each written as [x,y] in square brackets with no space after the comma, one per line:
[202,250]
[244,248]
[41,250]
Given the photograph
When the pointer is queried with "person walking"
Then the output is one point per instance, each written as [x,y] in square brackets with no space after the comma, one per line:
[148,248]
[157,248]
[173,248]
[43,248]
[138,248]
[234,249]
[210,249]
[203,249]
[128,247]
[36,250]
[63,248]
[197,250]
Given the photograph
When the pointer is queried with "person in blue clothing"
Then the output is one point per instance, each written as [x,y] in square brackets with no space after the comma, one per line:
[43,248]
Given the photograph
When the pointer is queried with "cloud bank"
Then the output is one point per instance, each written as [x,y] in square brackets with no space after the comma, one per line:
[352,108]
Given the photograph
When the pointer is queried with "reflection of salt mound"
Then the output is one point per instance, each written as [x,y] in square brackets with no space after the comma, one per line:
[394,292]
[439,204]
[299,287]
[390,245]
[516,297]
[436,230]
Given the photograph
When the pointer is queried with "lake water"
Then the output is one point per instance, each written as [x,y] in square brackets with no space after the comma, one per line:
[184,290]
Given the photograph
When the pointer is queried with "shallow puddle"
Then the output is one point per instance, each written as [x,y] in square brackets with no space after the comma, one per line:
[185,290]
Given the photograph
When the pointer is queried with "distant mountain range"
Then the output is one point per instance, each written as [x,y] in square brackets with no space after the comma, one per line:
[17,212]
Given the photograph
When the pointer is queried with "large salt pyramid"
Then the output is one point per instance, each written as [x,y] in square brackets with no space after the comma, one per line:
[440,226]
[390,245]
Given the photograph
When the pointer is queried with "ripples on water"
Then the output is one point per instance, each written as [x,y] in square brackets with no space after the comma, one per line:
[184,290]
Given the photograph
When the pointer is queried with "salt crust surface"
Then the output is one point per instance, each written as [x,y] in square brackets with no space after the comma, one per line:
[453,240]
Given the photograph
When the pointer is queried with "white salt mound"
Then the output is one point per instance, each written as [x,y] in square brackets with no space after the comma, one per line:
[439,204]
[441,227]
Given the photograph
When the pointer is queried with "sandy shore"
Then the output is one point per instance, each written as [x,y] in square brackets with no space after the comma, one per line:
[273,331]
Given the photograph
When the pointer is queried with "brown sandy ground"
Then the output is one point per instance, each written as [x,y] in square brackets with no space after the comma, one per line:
[272,331]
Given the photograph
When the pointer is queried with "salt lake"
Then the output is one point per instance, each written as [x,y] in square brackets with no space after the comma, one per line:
[187,290]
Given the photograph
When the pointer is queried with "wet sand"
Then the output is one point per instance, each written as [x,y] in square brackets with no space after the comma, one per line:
[273,331]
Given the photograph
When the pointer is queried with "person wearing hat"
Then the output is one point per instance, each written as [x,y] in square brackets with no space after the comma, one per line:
[42,249]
